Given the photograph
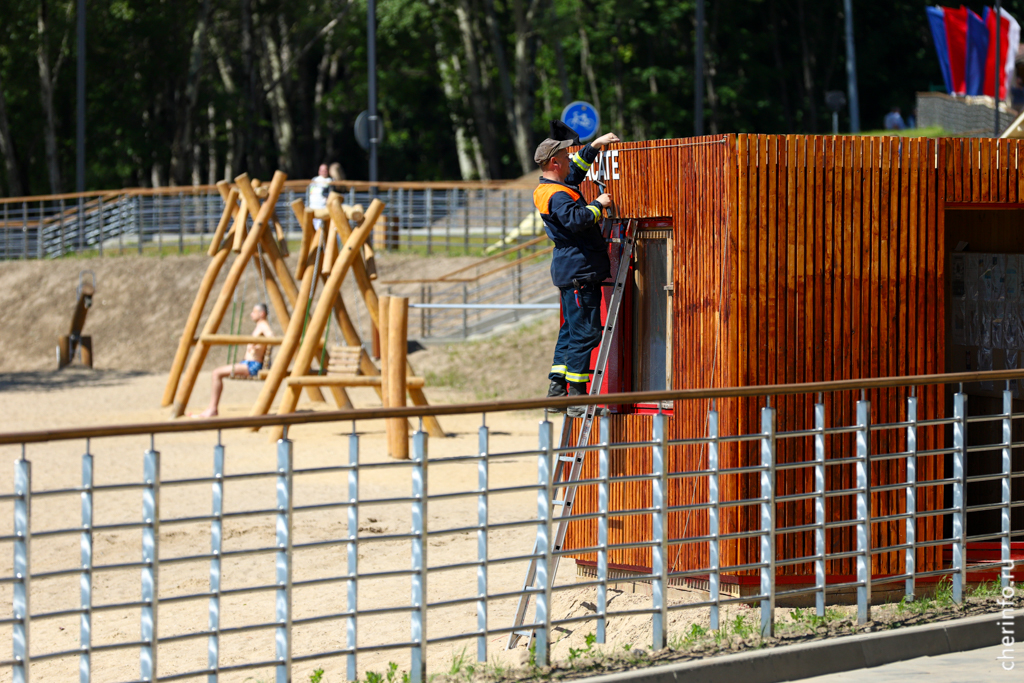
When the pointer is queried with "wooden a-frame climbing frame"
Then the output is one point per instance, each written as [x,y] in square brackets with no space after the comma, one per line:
[303,338]
[332,271]
[255,244]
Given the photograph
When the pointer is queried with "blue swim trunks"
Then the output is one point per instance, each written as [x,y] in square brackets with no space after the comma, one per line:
[254,367]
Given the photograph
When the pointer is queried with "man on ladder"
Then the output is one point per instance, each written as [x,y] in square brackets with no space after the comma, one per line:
[580,260]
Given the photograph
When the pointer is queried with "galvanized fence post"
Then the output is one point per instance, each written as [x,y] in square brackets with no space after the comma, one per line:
[21,610]
[151,561]
[81,223]
[603,497]
[449,205]
[504,216]
[181,223]
[40,235]
[60,225]
[483,466]
[216,547]
[465,236]
[863,468]
[389,241]
[410,218]
[121,222]
[159,199]
[140,223]
[768,522]
[959,511]
[85,580]
[283,562]
[24,228]
[714,522]
[429,223]
[910,526]
[465,311]
[819,508]
[400,209]
[99,218]
[659,533]
[1007,497]
[545,496]
[352,554]
[418,672]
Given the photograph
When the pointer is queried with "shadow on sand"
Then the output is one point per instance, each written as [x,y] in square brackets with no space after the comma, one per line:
[69,378]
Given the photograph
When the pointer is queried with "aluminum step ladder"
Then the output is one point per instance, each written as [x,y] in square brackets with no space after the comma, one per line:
[567,486]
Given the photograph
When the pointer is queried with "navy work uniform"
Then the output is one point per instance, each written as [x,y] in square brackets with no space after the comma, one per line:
[578,266]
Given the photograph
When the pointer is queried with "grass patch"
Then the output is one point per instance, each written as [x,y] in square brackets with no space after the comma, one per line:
[927,132]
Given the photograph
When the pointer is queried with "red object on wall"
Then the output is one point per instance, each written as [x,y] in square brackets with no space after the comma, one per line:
[619,374]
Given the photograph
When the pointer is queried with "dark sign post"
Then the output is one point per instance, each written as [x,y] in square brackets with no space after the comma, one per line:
[835,100]
[851,69]
[371,61]
[80,119]
[698,73]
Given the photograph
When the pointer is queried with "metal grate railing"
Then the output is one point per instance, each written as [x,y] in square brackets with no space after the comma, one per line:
[452,220]
[510,518]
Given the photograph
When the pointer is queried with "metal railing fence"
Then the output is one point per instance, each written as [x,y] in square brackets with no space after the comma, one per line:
[455,219]
[459,310]
[348,484]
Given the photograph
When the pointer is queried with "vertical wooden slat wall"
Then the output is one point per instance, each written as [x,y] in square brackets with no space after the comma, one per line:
[798,259]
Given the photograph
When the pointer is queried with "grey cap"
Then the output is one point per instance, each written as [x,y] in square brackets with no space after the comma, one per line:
[549,148]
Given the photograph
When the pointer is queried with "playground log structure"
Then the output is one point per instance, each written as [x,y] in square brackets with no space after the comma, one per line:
[244,229]
[69,344]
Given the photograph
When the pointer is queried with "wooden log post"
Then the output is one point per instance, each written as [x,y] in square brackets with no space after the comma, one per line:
[369,295]
[277,301]
[284,277]
[384,316]
[224,299]
[230,206]
[398,346]
[355,213]
[289,345]
[324,306]
[238,229]
[305,219]
[331,247]
[339,221]
[192,324]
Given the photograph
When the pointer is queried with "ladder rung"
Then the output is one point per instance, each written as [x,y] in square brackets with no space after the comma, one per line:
[523,634]
[560,502]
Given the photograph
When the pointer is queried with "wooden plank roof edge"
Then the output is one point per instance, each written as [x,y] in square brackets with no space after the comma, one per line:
[768,390]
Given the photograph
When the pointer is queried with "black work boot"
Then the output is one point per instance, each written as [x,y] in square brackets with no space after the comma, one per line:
[577,389]
[557,390]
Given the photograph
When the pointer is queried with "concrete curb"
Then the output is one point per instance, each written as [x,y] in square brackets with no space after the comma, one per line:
[845,653]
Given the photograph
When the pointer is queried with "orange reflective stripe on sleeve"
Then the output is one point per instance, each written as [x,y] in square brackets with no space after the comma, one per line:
[545,191]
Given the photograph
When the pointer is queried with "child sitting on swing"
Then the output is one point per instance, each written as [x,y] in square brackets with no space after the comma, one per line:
[248,367]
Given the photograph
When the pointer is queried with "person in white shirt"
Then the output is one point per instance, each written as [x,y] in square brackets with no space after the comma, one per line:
[316,193]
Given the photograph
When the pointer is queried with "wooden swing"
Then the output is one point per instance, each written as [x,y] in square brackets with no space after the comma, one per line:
[305,337]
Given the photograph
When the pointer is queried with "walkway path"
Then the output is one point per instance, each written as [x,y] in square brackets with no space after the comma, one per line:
[972,666]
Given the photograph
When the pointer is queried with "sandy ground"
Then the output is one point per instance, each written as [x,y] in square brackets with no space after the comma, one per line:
[140,308]
[141,305]
[98,397]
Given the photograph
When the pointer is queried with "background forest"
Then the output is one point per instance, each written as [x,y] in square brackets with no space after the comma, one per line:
[191,91]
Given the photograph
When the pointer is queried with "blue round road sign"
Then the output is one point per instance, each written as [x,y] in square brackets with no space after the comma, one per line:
[583,118]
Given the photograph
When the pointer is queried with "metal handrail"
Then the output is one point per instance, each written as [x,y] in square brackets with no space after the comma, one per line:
[762,535]
[551,404]
[449,277]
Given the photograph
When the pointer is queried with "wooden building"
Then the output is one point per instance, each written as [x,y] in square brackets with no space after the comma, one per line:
[784,259]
